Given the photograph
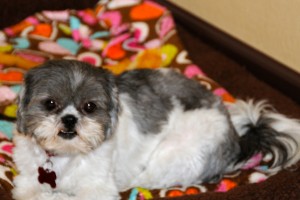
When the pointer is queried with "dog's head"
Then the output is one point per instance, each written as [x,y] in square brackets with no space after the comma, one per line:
[68,106]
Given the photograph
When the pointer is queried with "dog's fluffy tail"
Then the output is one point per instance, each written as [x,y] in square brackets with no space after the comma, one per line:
[261,129]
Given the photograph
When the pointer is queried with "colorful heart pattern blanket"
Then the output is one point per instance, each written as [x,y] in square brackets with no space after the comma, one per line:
[118,35]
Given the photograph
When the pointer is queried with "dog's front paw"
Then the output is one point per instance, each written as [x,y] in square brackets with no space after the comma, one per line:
[23,194]
[98,195]
[35,195]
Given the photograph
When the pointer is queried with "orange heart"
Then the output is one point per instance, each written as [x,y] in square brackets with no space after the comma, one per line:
[11,76]
[149,58]
[226,185]
[146,11]
[119,67]
[15,29]
[175,193]
[115,52]
[192,191]
[43,30]
[188,191]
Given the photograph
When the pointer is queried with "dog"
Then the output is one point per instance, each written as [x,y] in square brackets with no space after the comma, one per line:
[84,133]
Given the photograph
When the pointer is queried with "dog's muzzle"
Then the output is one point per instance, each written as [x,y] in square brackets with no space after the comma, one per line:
[69,122]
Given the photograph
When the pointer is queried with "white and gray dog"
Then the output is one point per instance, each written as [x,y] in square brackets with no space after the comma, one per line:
[85,134]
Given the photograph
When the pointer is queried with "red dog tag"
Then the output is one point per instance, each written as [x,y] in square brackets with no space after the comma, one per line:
[47,176]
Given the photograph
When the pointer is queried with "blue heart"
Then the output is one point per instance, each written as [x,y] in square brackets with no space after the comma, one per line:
[69,44]
[6,128]
[21,43]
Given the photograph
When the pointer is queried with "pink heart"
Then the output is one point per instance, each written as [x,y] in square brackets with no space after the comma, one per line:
[155,43]
[54,48]
[87,17]
[2,160]
[132,45]
[112,17]
[8,148]
[253,162]
[220,91]
[31,56]
[166,25]
[6,94]
[57,15]
[192,70]
[117,30]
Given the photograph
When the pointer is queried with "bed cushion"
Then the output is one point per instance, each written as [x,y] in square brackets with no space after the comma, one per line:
[119,36]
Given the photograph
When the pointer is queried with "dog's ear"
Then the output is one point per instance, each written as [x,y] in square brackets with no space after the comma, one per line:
[20,112]
[23,100]
[114,111]
[114,107]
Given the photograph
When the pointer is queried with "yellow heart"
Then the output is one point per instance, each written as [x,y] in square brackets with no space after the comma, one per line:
[169,51]
[6,48]
[11,111]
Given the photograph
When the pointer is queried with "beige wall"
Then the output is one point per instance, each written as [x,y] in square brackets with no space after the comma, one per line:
[271,26]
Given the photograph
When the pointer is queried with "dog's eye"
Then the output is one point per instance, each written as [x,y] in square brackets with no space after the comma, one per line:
[89,107]
[50,104]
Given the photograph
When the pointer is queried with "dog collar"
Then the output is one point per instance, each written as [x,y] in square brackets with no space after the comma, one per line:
[46,174]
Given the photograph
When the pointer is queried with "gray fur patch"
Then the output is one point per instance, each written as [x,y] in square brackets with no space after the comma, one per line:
[218,161]
[151,93]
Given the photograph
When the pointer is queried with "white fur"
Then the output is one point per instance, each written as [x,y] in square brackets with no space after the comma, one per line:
[70,110]
[79,177]
[174,156]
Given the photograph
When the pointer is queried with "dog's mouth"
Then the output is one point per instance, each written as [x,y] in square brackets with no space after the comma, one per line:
[67,134]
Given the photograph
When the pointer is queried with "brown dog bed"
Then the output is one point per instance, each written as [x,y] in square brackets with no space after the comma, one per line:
[227,70]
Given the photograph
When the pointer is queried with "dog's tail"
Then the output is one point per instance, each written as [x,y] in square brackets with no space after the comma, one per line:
[261,129]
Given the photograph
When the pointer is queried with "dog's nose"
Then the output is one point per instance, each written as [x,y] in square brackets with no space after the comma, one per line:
[69,121]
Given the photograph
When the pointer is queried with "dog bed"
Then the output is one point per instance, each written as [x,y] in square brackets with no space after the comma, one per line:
[119,36]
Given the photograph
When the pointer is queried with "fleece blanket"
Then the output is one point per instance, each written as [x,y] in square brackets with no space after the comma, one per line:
[117,35]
